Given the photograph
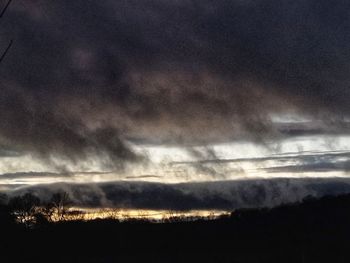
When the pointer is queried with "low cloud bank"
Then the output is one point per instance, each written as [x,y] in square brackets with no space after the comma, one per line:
[227,195]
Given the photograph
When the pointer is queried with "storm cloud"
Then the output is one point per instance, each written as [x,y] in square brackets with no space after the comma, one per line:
[226,195]
[88,77]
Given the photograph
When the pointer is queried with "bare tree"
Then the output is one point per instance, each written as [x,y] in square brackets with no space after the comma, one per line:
[25,208]
[60,203]
[47,210]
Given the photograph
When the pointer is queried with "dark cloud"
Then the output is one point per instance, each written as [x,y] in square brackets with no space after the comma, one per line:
[207,195]
[342,166]
[313,128]
[301,157]
[8,152]
[5,188]
[21,175]
[292,162]
[83,76]
[148,176]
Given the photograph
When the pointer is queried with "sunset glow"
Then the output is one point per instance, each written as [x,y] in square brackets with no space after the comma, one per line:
[86,214]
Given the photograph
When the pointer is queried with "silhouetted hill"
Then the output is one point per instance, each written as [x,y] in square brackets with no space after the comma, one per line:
[311,231]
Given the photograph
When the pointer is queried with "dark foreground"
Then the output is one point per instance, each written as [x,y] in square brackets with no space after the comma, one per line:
[314,231]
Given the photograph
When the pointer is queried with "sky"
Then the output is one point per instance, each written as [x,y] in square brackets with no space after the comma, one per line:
[181,104]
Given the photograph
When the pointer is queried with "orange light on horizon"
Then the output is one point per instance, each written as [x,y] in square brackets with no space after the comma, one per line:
[86,214]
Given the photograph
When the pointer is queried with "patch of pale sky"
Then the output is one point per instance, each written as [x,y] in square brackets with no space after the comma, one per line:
[160,168]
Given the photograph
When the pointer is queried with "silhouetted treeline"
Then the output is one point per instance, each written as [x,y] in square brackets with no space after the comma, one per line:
[29,210]
[311,231]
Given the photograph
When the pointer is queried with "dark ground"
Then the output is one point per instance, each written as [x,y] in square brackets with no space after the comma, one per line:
[314,231]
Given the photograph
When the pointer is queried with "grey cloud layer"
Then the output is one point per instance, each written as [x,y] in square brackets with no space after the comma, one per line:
[303,157]
[294,163]
[84,76]
[226,195]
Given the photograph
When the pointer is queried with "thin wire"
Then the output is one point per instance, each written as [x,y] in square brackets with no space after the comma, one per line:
[5,52]
[5,8]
